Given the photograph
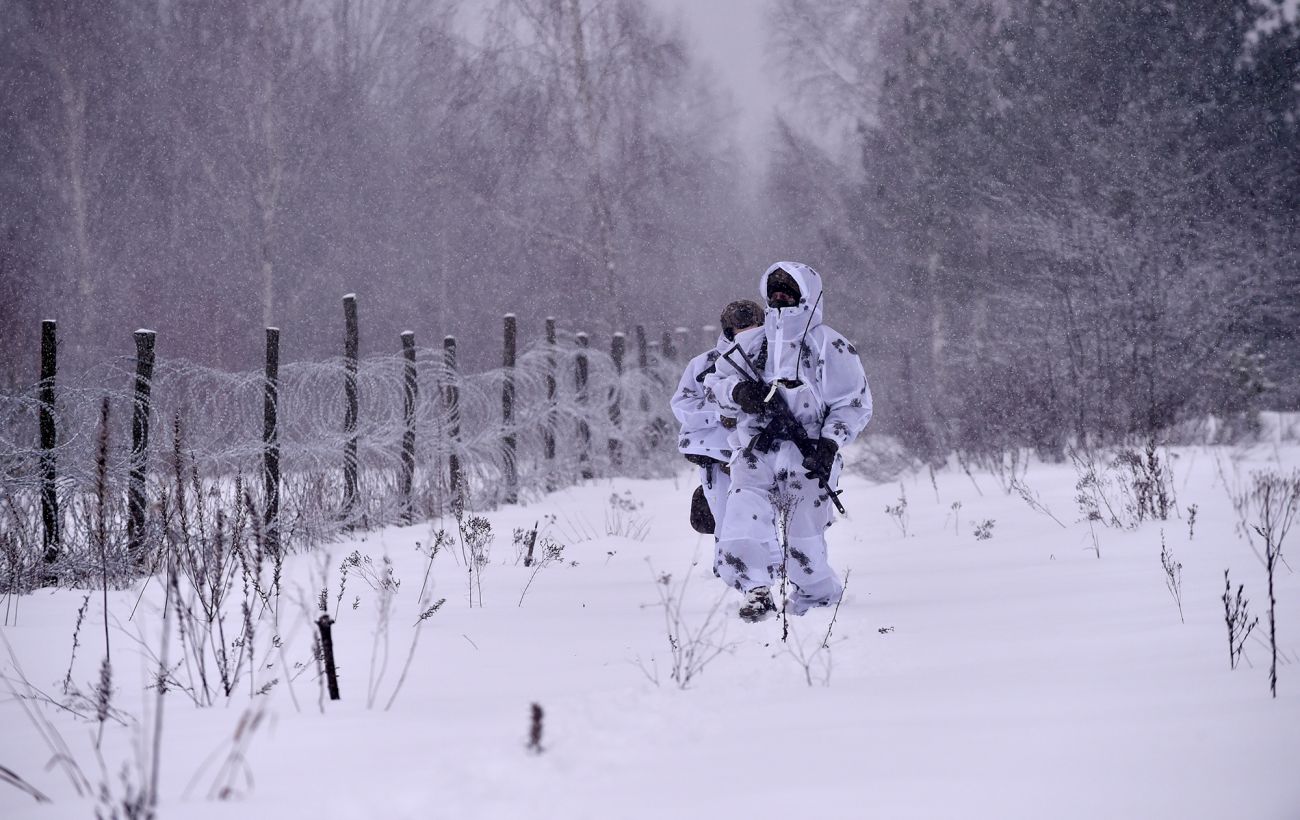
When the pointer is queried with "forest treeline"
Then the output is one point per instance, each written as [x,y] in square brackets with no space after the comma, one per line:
[1068,218]
[1038,218]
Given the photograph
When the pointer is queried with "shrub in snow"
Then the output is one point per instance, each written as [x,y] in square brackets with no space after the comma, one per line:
[1150,486]
[898,512]
[1125,490]
[1173,575]
[693,644]
[816,661]
[475,543]
[1274,501]
[1030,497]
[1237,617]
[624,519]
[541,554]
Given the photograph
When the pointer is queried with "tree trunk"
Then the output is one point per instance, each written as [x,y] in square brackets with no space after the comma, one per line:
[72,98]
[601,209]
[268,268]
[938,326]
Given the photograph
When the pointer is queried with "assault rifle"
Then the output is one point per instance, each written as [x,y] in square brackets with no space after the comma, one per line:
[780,423]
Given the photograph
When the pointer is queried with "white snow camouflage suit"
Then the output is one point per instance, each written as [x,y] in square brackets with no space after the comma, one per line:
[833,401]
[701,430]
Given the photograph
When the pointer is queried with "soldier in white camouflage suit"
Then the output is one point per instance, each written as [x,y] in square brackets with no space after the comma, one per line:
[818,374]
[705,431]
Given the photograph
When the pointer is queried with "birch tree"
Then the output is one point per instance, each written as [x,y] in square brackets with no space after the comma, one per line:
[62,79]
[617,119]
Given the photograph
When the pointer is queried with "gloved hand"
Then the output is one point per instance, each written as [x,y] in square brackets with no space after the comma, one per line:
[818,463]
[749,396]
[701,461]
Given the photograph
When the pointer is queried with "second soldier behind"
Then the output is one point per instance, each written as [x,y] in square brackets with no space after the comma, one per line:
[706,434]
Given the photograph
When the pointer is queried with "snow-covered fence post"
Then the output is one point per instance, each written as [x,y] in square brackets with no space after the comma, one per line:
[683,346]
[643,368]
[451,400]
[50,520]
[144,360]
[410,394]
[670,352]
[643,365]
[710,333]
[350,345]
[617,348]
[508,409]
[548,433]
[271,440]
[584,430]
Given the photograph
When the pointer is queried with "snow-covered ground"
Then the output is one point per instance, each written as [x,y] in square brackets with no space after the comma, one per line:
[1016,676]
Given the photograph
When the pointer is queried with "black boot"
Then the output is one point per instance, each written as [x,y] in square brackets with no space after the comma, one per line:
[758,605]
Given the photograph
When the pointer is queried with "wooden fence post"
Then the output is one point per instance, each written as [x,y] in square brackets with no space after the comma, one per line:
[50,519]
[684,343]
[710,333]
[271,440]
[325,624]
[642,360]
[410,394]
[670,352]
[508,410]
[350,346]
[617,348]
[548,433]
[451,399]
[144,361]
[643,401]
[584,430]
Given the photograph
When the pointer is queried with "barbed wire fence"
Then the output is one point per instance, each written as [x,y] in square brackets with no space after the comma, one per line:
[100,468]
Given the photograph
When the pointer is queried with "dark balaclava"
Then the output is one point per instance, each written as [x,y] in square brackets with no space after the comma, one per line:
[740,315]
[782,290]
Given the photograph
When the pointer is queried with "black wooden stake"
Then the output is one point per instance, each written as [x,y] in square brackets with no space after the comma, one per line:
[327,650]
[508,410]
[617,349]
[50,519]
[410,394]
[643,364]
[584,430]
[350,346]
[451,399]
[548,433]
[144,360]
[271,440]
[683,345]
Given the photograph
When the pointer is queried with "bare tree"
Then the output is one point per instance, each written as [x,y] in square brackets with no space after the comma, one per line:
[617,121]
[61,77]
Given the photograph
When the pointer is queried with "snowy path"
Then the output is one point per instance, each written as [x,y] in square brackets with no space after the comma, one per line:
[1014,677]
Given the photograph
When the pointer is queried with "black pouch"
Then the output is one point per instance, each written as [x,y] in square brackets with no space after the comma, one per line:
[701,516]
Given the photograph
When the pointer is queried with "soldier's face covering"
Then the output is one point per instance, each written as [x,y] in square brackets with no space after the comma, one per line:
[782,290]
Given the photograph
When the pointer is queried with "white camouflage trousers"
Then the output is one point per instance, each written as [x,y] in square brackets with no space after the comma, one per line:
[749,552]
